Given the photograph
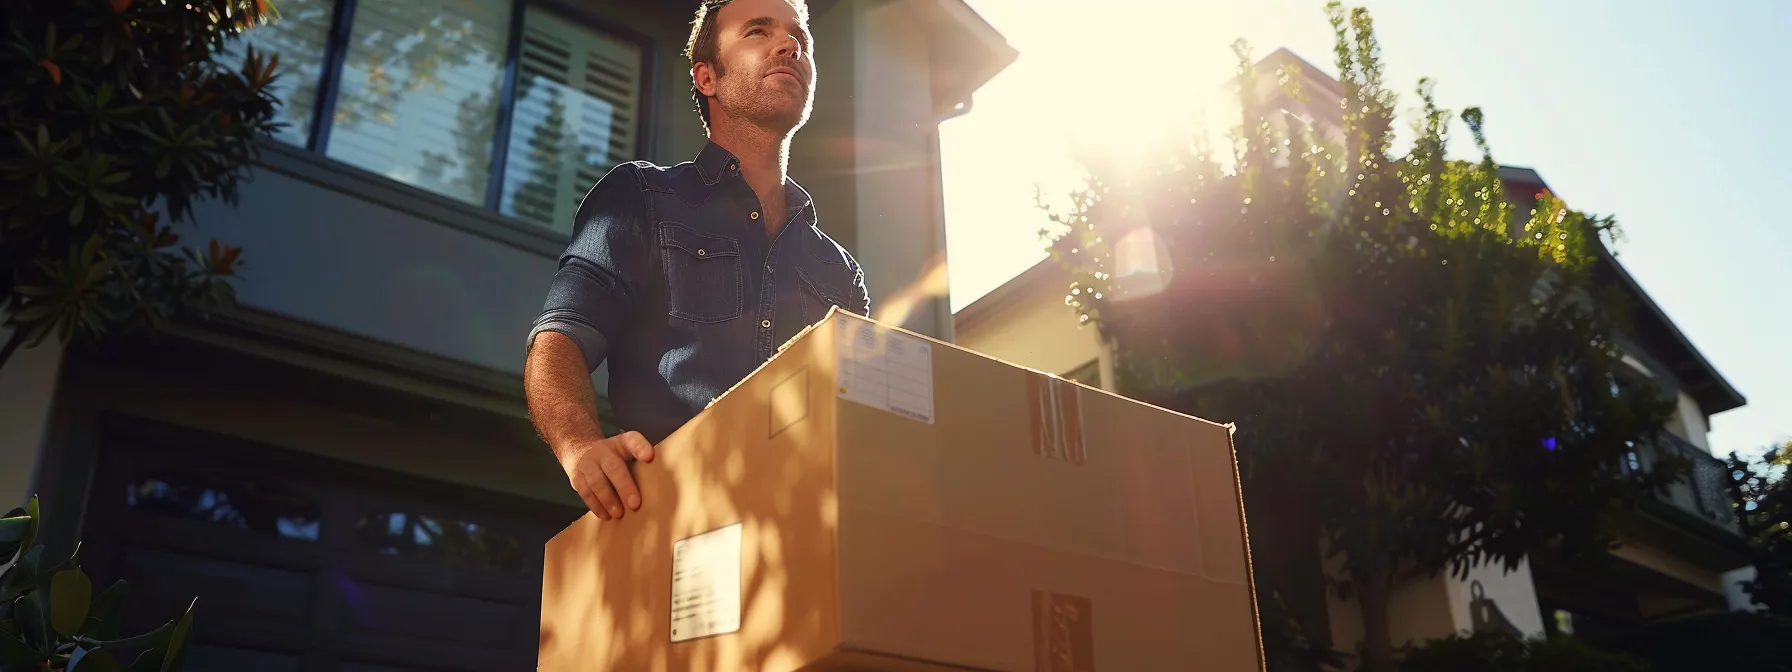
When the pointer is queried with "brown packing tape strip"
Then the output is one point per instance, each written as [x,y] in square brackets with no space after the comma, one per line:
[1063,633]
[1054,407]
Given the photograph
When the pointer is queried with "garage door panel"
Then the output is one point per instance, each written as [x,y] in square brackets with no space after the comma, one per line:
[153,531]
[438,578]
[164,582]
[207,657]
[434,616]
[307,564]
[384,652]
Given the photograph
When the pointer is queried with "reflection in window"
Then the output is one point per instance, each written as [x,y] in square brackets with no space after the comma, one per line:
[300,35]
[576,107]
[455,541]
[419,97]
[242,504]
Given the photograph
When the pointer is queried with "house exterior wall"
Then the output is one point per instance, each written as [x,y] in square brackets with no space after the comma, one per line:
[28,383]
[1036,333]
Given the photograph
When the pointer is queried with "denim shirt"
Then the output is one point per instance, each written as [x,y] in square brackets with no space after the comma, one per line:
[671,278]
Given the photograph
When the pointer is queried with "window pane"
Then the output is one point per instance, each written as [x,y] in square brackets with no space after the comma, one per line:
[577,108]
[454,541]
[299,36]
[419,99]
[241,504]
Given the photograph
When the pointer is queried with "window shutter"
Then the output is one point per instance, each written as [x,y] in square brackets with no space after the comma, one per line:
[576,116]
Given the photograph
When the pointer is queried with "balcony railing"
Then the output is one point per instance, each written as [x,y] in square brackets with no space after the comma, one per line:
[1703,491]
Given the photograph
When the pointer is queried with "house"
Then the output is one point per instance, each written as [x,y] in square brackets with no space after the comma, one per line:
[342,470]
[1676,554]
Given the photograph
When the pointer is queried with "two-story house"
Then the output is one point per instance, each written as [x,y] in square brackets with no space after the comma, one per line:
[1674,555]
[342,470]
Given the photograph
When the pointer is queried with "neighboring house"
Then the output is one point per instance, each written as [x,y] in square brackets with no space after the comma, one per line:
[1674,554]
[343,470]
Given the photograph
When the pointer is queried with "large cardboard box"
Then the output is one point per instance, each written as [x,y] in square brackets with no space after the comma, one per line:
[874,500]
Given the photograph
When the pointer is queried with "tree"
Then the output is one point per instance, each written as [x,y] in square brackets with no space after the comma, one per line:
[117,118]
[1762,492]
[1423,379]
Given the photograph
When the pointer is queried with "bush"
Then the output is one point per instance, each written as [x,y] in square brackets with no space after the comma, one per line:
[1502,652]
[51,621]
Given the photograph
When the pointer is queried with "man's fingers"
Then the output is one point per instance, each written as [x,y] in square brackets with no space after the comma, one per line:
[583,487]
[606,495]
[617,470]
[637,446]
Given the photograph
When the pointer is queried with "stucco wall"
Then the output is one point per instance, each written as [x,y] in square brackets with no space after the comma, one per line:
[1035,333]
[28,384]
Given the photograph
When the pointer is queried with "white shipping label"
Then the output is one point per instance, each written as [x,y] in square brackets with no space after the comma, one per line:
[706,584]
[885,369]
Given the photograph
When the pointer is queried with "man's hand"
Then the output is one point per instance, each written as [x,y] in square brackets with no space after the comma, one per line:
[598,471]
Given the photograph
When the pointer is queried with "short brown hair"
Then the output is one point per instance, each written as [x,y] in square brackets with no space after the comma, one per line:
[700,47]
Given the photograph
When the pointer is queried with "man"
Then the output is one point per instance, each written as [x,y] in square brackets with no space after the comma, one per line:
[688,278]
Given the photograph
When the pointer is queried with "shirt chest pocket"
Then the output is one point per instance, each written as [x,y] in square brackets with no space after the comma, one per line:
[703,274]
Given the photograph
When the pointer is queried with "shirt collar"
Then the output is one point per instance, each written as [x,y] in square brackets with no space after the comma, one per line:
[714,163]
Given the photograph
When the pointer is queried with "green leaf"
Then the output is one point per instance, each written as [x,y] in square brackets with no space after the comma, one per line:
[93,660]
[22,576]
[31,511]
[102,618]
[13,529]
[13,650]
[34,628]
[177,640]
[71,595]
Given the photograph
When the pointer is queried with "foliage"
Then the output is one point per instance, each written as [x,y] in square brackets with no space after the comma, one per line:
[51,620]
[1498,651]
[117,118]
[1286,644]
[1763,498]
[1423,375]
[1724,641]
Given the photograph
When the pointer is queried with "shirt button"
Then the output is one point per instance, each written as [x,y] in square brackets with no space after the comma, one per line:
[702,252]
[754,215]
[765,323]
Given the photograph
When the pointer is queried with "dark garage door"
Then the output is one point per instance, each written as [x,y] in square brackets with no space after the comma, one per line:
[306,564]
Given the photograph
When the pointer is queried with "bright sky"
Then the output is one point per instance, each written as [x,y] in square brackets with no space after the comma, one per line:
[1660,113]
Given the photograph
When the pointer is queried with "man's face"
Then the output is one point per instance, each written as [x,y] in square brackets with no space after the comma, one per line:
[766,76]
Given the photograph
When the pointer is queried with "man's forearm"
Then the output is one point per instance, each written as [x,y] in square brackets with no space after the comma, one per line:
[562,403]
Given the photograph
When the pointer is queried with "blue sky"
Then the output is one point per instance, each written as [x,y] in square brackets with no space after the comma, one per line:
[1663,114]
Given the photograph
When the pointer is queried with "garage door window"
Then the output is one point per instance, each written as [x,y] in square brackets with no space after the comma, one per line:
[241,504]
[453,541]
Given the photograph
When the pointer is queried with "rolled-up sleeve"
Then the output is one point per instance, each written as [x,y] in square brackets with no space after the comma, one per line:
[601,273]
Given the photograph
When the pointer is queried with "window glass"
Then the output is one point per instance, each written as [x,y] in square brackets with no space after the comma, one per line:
[300,36]
[419,95]
[455,541]
[577,101]
[241,504]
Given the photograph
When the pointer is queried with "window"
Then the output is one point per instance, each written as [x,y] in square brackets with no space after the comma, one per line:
[514,108]
[455,541]
[242,504]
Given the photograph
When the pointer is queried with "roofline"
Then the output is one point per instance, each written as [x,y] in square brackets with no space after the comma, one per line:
[1728,397]
[1038,274]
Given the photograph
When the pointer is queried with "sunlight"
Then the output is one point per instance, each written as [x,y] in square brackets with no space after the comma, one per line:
[1115,85]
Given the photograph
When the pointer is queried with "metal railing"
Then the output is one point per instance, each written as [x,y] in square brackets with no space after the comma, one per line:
[1703,491]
